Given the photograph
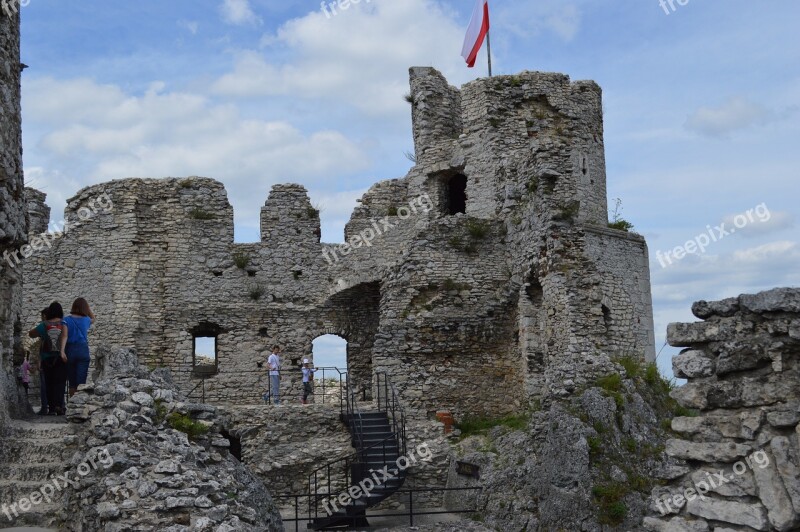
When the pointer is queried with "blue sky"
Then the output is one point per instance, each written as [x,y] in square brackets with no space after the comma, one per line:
[701,109]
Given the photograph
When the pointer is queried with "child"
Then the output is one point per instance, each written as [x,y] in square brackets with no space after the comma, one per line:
[308,380]
[25,374]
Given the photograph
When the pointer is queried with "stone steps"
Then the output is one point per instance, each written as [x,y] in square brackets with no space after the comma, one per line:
[12,491]
[45,430]
[33,454]
[43,515]
[30,472]
[19,451]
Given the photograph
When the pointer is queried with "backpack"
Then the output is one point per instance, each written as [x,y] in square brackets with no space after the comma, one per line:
[51,341]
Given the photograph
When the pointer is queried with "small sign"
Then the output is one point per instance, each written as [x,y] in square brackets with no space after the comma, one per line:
[468,470]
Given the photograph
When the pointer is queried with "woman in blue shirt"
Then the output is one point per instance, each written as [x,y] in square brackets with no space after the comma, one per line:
[78,322]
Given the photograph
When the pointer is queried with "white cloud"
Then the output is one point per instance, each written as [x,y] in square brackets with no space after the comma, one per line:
[239,13]
[192,26]
[527,19]
[760,221]
[772,253]
[735,114]
[359,57]
[101,133]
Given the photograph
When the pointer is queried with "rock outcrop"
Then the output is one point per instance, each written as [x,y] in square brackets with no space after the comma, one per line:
[149,460]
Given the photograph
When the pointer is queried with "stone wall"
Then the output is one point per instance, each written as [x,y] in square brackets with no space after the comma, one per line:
[525,289]
[742,364]
[13,229]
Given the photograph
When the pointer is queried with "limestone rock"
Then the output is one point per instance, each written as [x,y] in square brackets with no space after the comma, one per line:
[692,364]
[787,464]
[725,308]
[676,524]
[773,495]
[707,452]
[776,300]
[735,513]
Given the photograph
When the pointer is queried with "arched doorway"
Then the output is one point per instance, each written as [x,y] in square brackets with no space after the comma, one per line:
[330,351]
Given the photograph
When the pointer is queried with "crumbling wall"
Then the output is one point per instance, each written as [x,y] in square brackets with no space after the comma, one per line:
[13,227]
[742,364]
[458,306]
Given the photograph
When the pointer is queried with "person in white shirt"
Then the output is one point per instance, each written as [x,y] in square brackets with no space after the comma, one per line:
[274,363]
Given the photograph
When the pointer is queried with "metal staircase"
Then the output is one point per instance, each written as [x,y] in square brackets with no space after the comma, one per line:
[341,492]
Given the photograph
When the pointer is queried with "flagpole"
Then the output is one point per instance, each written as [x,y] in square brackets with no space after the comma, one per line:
[489,49]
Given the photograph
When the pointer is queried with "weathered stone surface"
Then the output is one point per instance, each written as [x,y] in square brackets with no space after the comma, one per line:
[784,419]
[773,495]
[733,485]
[735,357]
[707,452]
[702,332]
[736,513]
[691,395]
[787,464]
[676,524]
[725,308]
[749,412]
[693,363]
[776,300]
[151,474]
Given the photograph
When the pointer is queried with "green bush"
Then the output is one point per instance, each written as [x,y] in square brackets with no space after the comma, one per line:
[610,383]
[241,260]
[256,293]
[477,230]
[161,412]
[633,367]
[622,225]
[200,214]
[609,497]
[187,425]
[478,425]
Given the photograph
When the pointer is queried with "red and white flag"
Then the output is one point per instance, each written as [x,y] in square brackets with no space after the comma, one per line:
[476,33]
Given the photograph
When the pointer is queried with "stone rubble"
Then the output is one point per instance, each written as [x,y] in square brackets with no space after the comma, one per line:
[156,477]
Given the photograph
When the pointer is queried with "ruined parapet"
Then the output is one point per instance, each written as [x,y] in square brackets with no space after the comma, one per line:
[383,199]
[13,226]
[626,305]
[436,112]
[37,210]
[551,131]
[742,364]
[288,216]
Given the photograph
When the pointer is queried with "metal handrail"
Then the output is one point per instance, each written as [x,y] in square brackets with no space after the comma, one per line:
[350,462]
[389,402]
[342,378]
